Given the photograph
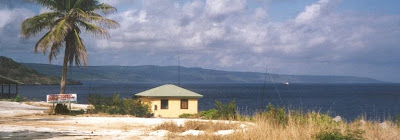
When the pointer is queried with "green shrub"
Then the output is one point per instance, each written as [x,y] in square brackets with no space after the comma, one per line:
[322,120]
[185,115]
[116,105]
[244,118]
[17,98]
[61,109]
[277,114]
[77,112]
[226,111]
[337,135]
[221,111]
[210,114]
[397,120]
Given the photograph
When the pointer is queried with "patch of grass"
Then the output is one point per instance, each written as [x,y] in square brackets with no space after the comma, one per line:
[170,126]
[298,125]
[17,98]
[77,112]
[196,125]
[397,120]
[337,135]
[185,115]
[206,136]
[276,114]
[209,126]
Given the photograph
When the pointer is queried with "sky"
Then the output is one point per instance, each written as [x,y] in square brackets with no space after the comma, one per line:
[300,37]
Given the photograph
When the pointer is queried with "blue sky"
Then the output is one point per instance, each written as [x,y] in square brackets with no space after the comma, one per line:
[314,37]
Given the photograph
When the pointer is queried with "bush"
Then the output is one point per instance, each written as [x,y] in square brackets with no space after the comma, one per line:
[397,120]
[321,119]
[276,114]
[185,115]
[336,135]
[221,111]
[116,105]
[61,109]
[226,111]
[17,98]
[210,114]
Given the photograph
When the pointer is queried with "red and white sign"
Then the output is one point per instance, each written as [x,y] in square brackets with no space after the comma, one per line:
[61,98]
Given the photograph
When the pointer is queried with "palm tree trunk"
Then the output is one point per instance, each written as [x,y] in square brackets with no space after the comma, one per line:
[64,71]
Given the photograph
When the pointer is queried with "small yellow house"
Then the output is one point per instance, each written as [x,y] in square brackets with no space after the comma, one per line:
[170,100]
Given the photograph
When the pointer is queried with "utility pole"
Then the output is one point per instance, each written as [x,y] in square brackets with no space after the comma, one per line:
[264,86]
[179,70]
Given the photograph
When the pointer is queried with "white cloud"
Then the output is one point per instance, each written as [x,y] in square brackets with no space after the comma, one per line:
[244,32]
[222,34]
[44,10]
[315,10]
[6,14]
[217,8]
[11,15]
[117,2]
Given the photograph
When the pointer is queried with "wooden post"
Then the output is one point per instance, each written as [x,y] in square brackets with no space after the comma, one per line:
[16,89]
[54,110]
[9,90]
[70,111]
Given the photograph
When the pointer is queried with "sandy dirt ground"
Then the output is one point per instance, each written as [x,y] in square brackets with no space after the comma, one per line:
[30,121]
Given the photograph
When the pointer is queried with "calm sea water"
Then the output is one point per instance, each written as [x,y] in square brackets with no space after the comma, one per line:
[376,101]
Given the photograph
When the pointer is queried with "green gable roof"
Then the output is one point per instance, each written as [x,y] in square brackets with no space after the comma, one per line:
[6,80]
[169,91]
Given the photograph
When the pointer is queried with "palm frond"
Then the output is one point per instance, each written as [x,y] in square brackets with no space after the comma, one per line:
[54,51]
[56,5]
[81,53]
[105,8]
[95,30]
[105,22]
[76,51]
[48,3]
[56,36]
[60,31]
[85,5]
[36,24]
[43,43]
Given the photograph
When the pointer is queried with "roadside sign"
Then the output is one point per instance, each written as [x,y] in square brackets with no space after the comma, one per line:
[61,98]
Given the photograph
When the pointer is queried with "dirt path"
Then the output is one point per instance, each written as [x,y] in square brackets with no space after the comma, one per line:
[24,121]
[67,127]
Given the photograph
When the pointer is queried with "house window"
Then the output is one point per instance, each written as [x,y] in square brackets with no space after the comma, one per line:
[164,104]
[184,104]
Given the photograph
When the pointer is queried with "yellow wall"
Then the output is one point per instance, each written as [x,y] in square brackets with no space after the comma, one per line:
[174,107]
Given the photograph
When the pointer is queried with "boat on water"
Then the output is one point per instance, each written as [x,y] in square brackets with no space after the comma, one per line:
[286,83]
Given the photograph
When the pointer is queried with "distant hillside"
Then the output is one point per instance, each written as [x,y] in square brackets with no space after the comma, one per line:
[169,74]
[26,75]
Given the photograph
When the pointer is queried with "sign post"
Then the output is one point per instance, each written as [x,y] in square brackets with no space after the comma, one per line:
[61,99]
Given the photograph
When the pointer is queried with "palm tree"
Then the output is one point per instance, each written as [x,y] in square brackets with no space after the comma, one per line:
[63,26]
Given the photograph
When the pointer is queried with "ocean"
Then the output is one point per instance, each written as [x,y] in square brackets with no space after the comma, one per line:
[374,101]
